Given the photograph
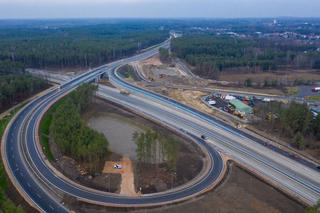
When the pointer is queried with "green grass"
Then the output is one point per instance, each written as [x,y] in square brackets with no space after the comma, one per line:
[291,91]
[313,98]
[44,130]
[3,123]
[44,134]
[6,119]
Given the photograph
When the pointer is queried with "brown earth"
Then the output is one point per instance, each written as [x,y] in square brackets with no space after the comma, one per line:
[239,192]
[127,176]
[190,97]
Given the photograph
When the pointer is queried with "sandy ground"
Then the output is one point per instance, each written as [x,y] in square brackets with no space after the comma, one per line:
[193,98]
[154,61]
[153,67]
[190,97]
[127,175]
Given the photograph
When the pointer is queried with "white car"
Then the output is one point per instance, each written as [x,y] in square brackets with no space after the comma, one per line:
[117,166]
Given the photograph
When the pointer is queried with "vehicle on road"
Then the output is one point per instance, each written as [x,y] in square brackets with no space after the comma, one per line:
[117,166]
[124,92]
[316,89]
[204,137]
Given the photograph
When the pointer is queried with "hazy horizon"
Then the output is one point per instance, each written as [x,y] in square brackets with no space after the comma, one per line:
[61,9]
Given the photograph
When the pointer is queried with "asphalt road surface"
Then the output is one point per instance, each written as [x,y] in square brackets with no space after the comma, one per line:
[35,180]
[297,176]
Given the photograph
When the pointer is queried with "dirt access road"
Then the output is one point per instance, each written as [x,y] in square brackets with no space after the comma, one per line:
[127,176]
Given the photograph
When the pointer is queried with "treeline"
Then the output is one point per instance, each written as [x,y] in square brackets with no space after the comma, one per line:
[213,54]
[76,46]
[14,88]
[164,55]
[72,135]
[155,148]
[295,122]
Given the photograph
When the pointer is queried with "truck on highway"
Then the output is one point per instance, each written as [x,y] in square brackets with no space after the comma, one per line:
[316,89]
[124,92]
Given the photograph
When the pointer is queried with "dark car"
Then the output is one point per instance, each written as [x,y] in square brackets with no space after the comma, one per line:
[203,137]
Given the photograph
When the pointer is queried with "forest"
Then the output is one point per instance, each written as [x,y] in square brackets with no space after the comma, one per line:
[294,122]
[154,148]
[72,135]
[14,88]
[211,54]
[76,46]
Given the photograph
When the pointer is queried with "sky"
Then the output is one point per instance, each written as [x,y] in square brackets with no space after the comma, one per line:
[33,9]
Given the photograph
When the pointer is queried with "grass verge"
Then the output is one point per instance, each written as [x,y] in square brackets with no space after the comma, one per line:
[44,129]
[291,91]
[313,98]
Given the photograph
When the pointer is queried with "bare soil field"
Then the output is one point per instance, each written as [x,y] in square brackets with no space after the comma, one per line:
[151,66]
[239,192]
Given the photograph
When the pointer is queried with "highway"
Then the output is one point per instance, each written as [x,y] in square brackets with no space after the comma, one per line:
[294,175]
[34,178]
[37,181]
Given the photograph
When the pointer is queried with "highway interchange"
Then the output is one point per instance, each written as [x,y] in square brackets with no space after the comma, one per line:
[34,178]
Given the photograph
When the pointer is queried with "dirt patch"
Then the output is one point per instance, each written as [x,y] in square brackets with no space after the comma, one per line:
[190,97]
[154,60]
[239,192]
[127,176]
[158,178]
[193,99]
[127,183]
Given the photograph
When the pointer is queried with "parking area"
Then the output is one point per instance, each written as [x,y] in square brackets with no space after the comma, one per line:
[239,106]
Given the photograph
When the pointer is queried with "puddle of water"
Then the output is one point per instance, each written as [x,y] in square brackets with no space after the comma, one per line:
[118,132]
